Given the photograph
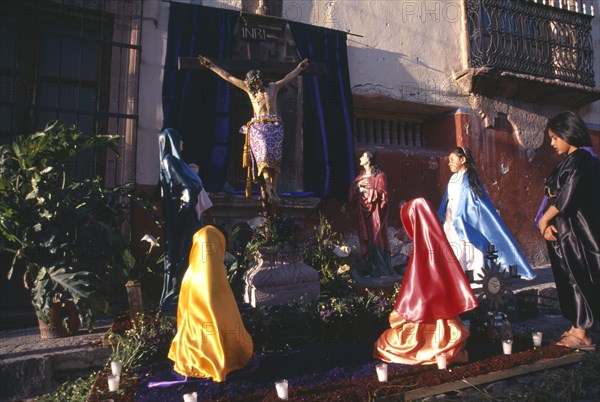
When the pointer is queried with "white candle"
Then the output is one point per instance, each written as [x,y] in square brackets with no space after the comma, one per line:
[191,397]
[382,372]
[507,346]
[282,389]
[441,361]
[113,383]
[115,367]
[537,339]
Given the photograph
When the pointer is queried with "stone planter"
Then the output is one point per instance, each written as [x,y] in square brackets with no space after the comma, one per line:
[278,278]
[59,316]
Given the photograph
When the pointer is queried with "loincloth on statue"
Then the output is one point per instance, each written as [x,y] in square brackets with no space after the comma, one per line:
[266,142]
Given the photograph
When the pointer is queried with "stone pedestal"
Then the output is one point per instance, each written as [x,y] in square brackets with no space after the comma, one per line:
[278,278]
[228,210]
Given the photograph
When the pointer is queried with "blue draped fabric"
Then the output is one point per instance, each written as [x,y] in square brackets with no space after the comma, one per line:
[328,138]
[477,221]
[197,103]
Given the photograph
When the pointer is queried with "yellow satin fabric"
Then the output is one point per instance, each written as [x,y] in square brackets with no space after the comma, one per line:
[211,339]
[417,343]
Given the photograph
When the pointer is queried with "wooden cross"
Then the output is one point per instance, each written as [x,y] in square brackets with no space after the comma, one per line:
[241,67]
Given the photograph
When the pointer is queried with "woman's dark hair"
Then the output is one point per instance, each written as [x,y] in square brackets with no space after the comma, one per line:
[569,127]
[375,168]
[474,181]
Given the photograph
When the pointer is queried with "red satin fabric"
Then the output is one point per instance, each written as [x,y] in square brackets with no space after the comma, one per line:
[434,285]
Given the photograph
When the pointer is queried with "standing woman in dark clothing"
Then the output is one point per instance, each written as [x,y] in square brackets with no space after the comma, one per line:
[571,226]
[180,187]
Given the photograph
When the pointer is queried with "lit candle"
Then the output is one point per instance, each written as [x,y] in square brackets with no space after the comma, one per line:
[113,383]
[537,339]
[115,367]
[282,389]
[507,346]
[191,397]
[382,372]
[441,361]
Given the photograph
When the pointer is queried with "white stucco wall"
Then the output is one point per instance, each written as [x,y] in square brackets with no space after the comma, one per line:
[405,49]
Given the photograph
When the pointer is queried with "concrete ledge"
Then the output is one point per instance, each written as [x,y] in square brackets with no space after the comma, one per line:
[538,296]
[28,376]
[30,365]
[25,377]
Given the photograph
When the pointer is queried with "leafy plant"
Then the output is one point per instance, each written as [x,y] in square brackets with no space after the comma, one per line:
[73,391]
[148,340]
[323,321]
[274,235]
[64,233]
[135,268]
[319,252]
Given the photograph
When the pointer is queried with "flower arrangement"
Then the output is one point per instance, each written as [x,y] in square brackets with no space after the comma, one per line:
[325,251]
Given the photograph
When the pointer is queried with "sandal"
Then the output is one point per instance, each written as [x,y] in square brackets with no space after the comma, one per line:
[571,341]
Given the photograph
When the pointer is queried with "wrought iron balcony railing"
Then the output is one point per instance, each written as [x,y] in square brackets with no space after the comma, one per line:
[531,38]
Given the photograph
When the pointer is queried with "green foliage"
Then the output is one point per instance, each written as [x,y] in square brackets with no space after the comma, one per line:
[318,252]
[278,235]
[276,232]
[322,321]
[135,269]
[64,233]
[285,327]
[72,391]
[147,341]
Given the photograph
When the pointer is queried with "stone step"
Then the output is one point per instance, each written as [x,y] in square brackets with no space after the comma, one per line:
[537,296]
[30,365]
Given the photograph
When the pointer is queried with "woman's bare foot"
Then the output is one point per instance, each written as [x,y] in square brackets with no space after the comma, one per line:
[271,193]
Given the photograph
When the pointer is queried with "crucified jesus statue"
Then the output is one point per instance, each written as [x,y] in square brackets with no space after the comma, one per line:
[264,132]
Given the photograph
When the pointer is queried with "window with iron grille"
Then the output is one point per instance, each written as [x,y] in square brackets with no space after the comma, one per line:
[74,61]
[547,39]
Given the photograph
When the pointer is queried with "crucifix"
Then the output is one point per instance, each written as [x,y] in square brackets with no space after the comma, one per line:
[264,132]
[261,44]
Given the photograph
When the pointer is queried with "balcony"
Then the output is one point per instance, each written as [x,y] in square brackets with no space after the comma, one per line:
[537,52]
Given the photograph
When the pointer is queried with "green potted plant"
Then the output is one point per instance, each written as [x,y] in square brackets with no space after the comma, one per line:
[64,233]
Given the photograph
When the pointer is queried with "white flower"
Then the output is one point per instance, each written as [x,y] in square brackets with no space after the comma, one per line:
[150,239]
[342,251]
[343,268]
[256,223]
